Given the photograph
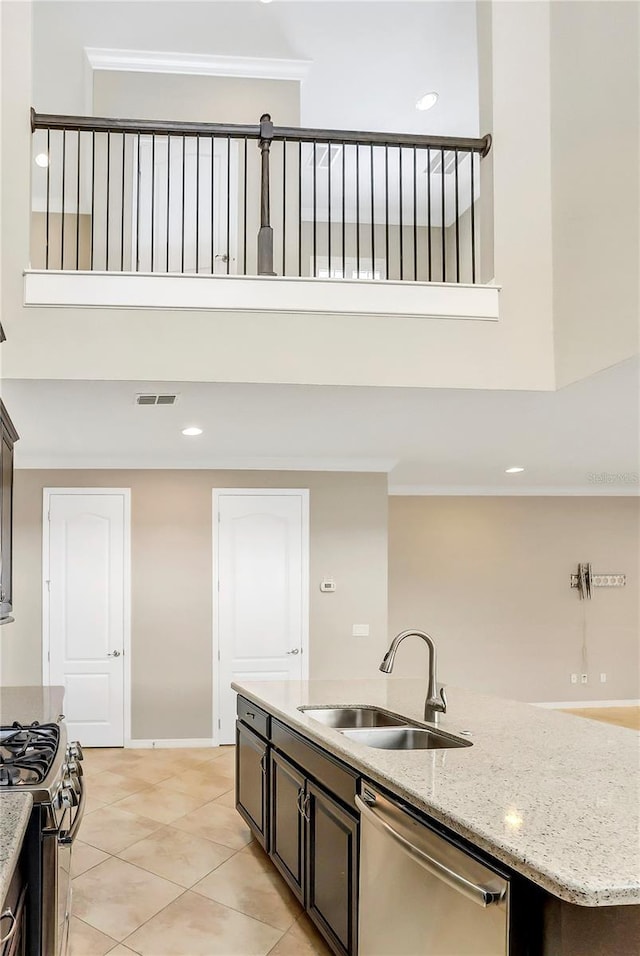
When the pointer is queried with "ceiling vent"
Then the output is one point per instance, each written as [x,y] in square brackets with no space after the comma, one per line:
[148,399]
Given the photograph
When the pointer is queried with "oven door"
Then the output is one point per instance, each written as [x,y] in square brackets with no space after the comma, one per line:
[67,834]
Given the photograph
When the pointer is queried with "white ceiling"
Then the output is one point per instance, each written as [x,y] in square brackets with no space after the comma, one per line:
[448,440]
[370,59]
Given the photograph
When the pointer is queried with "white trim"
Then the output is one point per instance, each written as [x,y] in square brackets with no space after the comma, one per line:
[197,64]
[578,704]
[170,743]
[373,465]
[532,491]
[262,294]
[125,493]
[215,677]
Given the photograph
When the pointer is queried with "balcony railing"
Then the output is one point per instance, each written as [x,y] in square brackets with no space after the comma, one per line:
[208,198]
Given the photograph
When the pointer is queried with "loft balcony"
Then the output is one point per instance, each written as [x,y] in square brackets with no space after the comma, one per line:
[138,214]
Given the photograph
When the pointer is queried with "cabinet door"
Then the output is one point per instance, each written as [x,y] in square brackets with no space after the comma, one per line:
[332,870]
[252,789]
[287,822]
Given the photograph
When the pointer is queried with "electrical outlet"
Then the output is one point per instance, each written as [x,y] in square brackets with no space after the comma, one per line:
[584,678]
[574,678]
[603,678]
[360,630]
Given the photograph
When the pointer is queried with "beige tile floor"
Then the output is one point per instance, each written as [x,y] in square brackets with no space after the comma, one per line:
[164,866]
[620,716]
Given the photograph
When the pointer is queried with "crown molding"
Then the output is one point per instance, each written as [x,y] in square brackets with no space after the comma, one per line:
[524,491]
[196,64]
[160,463]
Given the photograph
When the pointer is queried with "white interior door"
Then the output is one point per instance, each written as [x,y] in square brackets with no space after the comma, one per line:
[85,627]
[261,580]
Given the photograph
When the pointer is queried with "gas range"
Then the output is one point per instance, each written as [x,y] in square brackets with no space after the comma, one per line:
[38,759]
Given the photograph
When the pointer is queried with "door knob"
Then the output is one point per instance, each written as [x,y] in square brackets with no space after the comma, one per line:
[114,654]
[295,650]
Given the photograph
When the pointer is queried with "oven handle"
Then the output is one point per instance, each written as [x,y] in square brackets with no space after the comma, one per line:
[484,896]
[66,837]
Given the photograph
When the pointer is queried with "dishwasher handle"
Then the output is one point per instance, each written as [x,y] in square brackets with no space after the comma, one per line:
[482,895]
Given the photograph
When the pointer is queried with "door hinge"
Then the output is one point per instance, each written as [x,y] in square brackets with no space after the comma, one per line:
[48,583]
[219,723]
[218,653]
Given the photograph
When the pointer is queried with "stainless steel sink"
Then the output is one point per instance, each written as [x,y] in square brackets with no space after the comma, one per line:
[404,738]
[347,717]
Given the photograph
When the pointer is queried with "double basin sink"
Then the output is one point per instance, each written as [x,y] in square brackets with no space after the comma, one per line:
[382,729]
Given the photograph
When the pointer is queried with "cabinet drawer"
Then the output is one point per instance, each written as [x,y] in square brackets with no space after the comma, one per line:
[333,775]
[252,715]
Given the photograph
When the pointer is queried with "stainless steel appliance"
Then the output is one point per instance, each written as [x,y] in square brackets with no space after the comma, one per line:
[36,757]
[421,894]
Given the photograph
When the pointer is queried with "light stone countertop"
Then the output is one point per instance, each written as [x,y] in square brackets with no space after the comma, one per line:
[554,796]
[15,809]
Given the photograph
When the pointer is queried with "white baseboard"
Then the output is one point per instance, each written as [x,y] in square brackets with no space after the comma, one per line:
[164,743]
[577,704]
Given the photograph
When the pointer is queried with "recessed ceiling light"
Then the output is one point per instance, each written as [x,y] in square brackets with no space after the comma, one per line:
[192,431]
[514,470]
[42,160]
[427,101]
[265,1]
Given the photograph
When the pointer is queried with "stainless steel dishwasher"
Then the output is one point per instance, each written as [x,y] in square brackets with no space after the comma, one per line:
[420,893]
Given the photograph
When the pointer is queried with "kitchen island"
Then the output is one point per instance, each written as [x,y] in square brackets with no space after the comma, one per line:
[550,796]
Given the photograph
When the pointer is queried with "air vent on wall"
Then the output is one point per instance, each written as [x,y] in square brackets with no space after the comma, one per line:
[156,399]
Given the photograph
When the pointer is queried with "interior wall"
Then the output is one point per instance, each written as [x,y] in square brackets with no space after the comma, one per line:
[488,577]
[595,124]
[172,583]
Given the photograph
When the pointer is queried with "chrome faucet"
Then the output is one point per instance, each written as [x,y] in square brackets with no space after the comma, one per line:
[436,702]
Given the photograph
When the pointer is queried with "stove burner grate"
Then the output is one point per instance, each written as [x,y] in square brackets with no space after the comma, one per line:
[26,753]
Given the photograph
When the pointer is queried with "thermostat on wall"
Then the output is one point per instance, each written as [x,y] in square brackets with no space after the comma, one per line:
[327,584]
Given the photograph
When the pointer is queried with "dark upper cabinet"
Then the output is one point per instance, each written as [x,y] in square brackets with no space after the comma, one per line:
[252,781]
[8,436]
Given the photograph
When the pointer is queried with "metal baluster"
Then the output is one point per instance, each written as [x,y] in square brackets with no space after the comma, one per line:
[315,197]
[386,208]
[78,206]
[228,203]
[244,213]
[329,209]
[373,228]
[429,207]
[344,223]
[444,251]
[153,198]
[300,207]
[184,169]
[197,203]
[93,190]
[455,155]
[284,207]
[472,159]
[124,156]
[168,194]
[46,232]
[138,184]
[64,162]
[415,215]
[401,217]
[357,211]
[213,146]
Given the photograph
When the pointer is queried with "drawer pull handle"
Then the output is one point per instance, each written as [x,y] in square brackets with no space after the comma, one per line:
[250,713]
[14,925]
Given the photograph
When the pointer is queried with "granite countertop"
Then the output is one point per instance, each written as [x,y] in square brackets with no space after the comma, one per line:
[15,809]
[554,796]
[26,704]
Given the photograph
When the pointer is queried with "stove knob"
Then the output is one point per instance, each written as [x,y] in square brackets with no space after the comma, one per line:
[67,796]
[75,751]
[73,768]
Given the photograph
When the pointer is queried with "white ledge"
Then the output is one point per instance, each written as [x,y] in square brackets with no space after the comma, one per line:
[126,290]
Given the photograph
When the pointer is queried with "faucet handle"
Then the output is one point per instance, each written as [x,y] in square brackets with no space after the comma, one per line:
[443,698]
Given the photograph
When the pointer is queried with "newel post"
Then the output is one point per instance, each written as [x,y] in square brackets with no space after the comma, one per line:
[265,236]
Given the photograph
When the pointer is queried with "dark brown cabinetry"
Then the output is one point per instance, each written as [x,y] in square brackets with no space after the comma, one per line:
[309,825]
[13,921]
[8,436]
[252,781]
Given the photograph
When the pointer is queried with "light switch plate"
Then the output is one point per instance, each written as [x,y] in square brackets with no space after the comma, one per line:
[360,630]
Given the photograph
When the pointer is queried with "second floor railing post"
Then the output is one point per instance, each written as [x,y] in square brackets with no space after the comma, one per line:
[265,235]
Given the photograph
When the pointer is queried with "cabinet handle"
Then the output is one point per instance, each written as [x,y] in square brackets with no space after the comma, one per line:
[303,804]
[306,813]
[263,763]
[249,713]
[299,801]
[14,925]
